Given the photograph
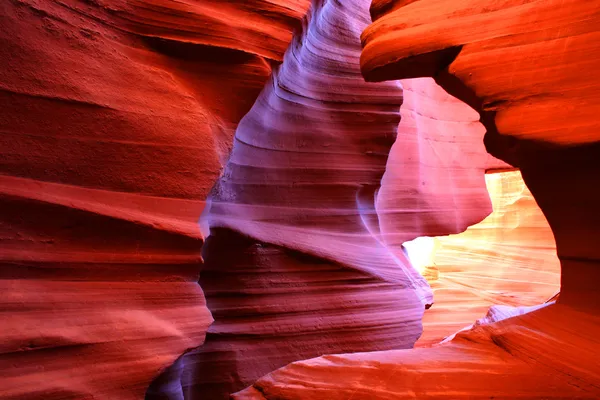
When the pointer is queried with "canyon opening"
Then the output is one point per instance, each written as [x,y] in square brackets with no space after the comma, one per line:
[299,199]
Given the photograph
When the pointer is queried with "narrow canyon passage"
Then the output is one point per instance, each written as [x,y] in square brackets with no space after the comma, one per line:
[507,60]
[304,255]
[202,199]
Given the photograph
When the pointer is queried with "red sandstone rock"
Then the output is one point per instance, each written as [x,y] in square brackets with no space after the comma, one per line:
[548,353]
[304,175]
[498,313]
[114,129]
[519,64]
[260,27]
[525,61]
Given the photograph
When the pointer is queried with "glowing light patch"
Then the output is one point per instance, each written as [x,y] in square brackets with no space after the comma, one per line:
[421,252]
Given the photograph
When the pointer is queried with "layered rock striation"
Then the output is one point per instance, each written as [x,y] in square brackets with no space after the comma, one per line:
[321,189]
[118,117]
[114,126]
[291,270]
[518,63]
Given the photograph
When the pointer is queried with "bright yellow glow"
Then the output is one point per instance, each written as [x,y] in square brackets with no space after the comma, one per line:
[514,234]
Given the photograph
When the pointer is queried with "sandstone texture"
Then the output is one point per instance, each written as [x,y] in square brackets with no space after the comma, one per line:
[540,354]
[115,119]
[324,183]
[507,60]
[195,193]
[512,55]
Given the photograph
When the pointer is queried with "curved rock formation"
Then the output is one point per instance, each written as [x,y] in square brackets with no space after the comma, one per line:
[491,70]
[118,116]
[291,271]
[523,61]
[114,129]
[519,64]
[304,255]
[434,179]
[260,27]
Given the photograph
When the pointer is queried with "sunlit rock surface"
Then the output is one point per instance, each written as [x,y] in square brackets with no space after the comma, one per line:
[549,353]
[114,126]
[524,61]
[509,259]
[498,313]
[434,178]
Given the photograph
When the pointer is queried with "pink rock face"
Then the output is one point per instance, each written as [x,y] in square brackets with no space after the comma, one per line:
[434,179]
[301,260]
[110,143]
[507,60]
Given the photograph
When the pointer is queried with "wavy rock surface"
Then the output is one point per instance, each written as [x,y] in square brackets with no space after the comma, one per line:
[522,60]
[110,140]
[434,180]
[517,101]
[260,27]
[291,271]
[499,313]
[299,262]
[508,259]
[518,63]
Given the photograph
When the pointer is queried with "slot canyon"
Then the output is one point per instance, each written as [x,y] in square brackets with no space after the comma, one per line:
[299,199]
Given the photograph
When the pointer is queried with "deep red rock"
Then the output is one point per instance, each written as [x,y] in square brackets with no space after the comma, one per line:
[111,139]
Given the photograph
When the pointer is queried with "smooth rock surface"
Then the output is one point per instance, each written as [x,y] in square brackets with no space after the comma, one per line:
[302,260]
[114,127]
